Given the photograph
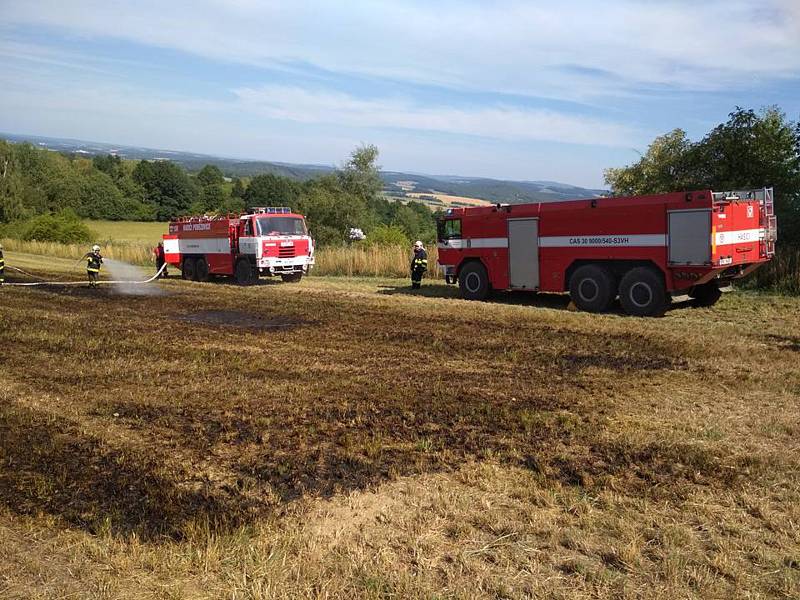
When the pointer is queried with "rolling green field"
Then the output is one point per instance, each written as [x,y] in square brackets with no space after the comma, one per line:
[128,231]
[349,438]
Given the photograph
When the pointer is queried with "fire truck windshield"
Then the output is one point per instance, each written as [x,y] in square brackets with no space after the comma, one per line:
[448,229]
[281,226]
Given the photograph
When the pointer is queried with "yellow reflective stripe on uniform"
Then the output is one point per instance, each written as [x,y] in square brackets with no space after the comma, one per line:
[91,270]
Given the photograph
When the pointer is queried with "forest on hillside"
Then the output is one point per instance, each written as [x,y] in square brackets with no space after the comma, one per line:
[43,195]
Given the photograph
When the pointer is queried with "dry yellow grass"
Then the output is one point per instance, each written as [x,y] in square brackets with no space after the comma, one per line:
[394,444]
[375,261]
[136,254]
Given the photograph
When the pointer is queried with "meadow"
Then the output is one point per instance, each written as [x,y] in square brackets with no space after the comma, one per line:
[346,437]
[120,232]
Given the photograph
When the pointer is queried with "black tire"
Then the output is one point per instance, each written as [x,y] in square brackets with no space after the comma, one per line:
[201,270]
[473,281]
[642,292]
[292,278]
[705,295]
[188,269]
[244,272]
[592,288]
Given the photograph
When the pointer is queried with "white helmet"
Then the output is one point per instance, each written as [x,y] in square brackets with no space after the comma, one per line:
[417,244]
[95,248]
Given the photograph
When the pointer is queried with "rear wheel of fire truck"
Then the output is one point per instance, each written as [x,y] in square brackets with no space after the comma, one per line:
[642,292]
[706,294]
[473,281]
[188,269]
[292,278]
[201,270]
[591,288]
[244,272]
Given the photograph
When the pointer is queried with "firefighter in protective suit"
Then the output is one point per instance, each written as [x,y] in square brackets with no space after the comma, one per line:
[2,266]
[419,264]
[93,262]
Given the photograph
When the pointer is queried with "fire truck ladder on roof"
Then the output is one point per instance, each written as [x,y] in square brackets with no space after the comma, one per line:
[770,222]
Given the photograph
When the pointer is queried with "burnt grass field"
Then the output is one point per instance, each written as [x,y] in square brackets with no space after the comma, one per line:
[349,438]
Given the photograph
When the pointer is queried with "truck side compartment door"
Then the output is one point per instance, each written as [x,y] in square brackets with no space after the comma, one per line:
[523,254]
[690,237]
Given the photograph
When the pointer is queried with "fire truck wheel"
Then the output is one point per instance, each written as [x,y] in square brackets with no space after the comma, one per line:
[188,269]
[642,292]
[244,273]
[292,278]
[201,270]
[473,281]
[591,288]
[706,294]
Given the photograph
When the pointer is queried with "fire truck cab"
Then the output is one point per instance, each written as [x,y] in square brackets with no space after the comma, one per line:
[266,241]
[642,249]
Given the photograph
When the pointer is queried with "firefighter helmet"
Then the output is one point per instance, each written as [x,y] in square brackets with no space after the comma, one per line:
[95,248]
[417,244]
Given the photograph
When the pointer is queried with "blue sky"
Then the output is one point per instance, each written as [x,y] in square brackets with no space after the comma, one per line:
[517,90]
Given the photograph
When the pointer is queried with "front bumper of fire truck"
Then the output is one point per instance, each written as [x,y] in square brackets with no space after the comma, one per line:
[278,266]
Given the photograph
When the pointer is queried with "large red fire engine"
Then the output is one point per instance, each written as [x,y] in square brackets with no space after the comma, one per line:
[265,241]
[640,248]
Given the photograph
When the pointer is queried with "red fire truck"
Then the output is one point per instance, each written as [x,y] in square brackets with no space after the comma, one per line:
[643,249]
[265,241]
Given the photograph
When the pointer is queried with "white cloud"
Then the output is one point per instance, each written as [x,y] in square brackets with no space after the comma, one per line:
[295,125]
[494,121]
[579,50]
[512,46]
[282,103]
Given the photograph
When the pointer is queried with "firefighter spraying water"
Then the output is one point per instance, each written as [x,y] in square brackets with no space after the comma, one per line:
[93,261]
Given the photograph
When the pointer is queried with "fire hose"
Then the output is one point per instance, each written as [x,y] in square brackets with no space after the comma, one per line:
[98,282]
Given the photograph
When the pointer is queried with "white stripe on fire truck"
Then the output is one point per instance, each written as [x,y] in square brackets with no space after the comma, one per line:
[603,241]
[739,236]
[460,244]
[565,241]
[197,246]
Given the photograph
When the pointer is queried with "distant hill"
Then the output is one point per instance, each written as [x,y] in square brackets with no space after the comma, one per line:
[493,190]
[396,183]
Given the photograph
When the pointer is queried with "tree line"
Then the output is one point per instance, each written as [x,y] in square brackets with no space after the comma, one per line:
[44,193]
